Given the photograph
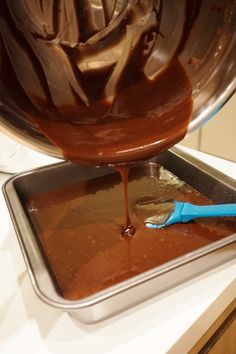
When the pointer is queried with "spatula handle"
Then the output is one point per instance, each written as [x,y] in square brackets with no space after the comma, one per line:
[191,211]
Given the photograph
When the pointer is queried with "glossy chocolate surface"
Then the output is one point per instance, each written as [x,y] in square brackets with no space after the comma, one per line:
[102,83]
[79,228]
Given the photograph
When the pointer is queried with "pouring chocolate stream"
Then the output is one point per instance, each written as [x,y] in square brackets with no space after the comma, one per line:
[103,83]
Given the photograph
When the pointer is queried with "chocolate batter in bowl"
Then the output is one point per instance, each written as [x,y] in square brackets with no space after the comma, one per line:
[112,81]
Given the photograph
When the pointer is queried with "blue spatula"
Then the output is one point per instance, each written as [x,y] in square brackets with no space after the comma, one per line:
[180,212]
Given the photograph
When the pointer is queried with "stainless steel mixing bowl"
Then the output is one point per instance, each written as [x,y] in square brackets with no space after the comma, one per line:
[208,57]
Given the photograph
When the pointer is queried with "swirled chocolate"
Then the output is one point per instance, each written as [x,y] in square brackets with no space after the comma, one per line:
[100,80]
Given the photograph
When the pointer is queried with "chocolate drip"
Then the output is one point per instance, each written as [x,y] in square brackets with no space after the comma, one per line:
[128,229]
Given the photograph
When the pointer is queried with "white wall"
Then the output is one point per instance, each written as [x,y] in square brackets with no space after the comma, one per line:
[217,137]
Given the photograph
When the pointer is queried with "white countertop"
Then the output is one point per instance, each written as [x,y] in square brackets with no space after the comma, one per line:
[169,323]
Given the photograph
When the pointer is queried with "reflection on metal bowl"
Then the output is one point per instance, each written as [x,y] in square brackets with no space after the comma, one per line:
[47,63]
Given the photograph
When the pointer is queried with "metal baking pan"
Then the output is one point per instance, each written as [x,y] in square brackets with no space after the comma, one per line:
[213,184]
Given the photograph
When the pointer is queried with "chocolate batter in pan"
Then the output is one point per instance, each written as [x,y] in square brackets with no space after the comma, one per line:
[79,228]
